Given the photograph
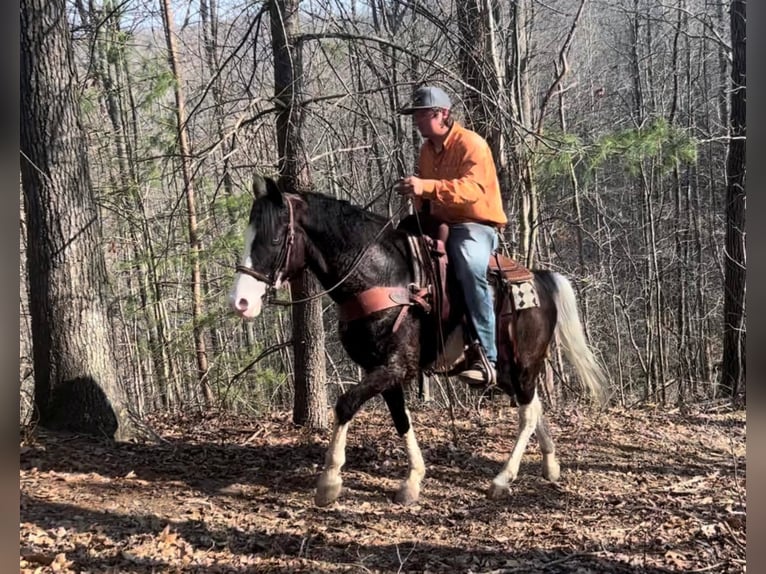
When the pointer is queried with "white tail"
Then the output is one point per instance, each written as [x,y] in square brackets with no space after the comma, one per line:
[571,337]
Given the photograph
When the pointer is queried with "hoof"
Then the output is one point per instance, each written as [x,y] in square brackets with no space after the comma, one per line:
[407,495]
[552,471]
[498,491]
[328,493]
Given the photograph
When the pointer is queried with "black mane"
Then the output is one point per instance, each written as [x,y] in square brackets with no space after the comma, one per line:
[342,236]
[343,217]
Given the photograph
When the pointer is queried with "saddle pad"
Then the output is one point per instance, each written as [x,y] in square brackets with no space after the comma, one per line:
[524,295]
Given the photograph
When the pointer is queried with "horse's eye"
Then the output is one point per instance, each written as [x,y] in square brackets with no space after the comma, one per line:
[276,240]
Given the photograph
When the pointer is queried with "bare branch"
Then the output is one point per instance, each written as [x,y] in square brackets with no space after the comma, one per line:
[562,69]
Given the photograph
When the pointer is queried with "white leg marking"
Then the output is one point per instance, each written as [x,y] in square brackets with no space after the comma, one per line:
[330,482]
[246,296]
[551,468]
[528,417]
[409,490]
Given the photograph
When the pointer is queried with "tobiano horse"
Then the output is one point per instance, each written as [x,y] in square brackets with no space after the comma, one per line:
[351,251]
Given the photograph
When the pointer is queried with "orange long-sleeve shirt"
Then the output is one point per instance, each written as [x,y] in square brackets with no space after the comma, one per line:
[460,180]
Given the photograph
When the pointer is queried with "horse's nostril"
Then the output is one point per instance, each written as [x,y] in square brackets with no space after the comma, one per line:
[242,304]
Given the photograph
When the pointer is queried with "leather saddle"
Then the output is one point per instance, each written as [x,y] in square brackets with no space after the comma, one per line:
[428,245]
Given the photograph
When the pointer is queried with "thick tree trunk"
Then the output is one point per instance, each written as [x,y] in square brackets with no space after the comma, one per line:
[310,406]
[76,386]
[735,262]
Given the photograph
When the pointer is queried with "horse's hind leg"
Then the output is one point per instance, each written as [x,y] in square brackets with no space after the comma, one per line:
[409,490]
[551,469]
[529,416]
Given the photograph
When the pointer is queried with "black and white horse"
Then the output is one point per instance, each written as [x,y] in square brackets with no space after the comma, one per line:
[351,250]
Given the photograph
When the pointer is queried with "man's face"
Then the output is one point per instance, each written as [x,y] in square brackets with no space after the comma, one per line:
[430,122]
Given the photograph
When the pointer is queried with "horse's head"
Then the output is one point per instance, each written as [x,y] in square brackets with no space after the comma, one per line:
[272,251]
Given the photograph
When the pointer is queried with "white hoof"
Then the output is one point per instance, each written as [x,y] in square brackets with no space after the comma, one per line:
[551,469]
[498,491]
[407,494]
[327,492]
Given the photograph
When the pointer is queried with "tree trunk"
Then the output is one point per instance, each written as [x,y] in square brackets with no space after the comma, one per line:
[582,294]
[310,406]
[735,264]
[76,386]
[521,140]
[479,69]
[638,93]
[191,209]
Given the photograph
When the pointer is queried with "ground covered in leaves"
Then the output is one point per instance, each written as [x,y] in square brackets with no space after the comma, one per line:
[641,491]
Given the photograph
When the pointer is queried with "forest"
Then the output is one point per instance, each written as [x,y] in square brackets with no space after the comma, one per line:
[618,131]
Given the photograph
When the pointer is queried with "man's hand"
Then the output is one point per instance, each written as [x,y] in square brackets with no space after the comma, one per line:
[412,186]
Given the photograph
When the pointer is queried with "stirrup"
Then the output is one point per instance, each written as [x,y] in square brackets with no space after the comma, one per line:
[479,373]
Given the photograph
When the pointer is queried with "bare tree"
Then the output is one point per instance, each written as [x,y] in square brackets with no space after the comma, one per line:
[191,207]
[735,262]
[76,385]
[310,407]
[480,68]
[527,139]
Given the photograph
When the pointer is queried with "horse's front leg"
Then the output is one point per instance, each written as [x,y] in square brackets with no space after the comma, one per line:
[330,482]
[348,404]
[409,490]
[400,366]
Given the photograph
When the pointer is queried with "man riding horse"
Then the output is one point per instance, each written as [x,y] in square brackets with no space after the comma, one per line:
[456,183]
[354,252]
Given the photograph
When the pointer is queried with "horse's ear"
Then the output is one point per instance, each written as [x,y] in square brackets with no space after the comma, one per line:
[267,187]
[274,191]
[259,186]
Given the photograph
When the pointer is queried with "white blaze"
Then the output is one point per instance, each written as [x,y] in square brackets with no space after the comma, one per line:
[246,297]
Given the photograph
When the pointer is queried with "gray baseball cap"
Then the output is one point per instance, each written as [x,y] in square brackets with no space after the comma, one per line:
[427,97]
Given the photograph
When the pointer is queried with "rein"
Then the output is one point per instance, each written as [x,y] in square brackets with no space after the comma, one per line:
[284,261]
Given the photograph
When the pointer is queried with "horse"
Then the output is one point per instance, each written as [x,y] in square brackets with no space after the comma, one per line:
[350,250]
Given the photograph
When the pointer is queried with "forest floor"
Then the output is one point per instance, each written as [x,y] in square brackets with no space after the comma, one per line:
[641,491]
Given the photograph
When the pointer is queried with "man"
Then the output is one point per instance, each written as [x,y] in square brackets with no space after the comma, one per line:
[458,182]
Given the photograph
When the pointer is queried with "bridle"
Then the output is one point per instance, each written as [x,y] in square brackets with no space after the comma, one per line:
[279,272]
[284,265]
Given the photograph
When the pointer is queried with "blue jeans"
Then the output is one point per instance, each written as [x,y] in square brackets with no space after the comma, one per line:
[469,247]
